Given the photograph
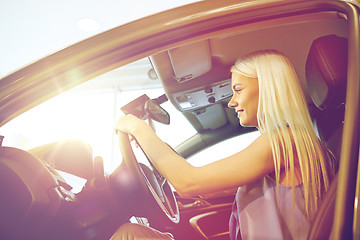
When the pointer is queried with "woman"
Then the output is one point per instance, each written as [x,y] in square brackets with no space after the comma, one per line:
[281,176]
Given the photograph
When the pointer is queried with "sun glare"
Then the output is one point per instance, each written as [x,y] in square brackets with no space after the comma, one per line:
[88,116]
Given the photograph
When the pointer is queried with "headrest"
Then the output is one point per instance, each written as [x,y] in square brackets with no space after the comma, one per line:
[326,71]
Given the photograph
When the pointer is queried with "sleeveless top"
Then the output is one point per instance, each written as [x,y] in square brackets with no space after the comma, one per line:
[259,212]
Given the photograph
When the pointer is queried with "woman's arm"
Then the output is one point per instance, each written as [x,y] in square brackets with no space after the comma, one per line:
[239,169]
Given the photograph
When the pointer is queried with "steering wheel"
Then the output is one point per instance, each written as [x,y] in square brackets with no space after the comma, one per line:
[150,191]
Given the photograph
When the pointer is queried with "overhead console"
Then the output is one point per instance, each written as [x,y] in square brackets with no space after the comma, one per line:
[205,105]
[202,97]
[196,83]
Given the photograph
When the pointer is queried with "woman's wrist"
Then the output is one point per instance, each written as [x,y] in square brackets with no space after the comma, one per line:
[140,128]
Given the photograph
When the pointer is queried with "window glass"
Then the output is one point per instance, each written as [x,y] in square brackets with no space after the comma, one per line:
[89,113]
[223,149]
[85,116]
[91,117]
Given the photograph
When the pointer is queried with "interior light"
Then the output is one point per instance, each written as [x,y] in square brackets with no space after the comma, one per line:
[152,74]
[88,24]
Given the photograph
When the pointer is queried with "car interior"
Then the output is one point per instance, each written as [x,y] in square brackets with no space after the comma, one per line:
[38,203]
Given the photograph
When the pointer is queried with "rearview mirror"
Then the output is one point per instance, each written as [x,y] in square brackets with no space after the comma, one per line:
[156,113]
[143,107]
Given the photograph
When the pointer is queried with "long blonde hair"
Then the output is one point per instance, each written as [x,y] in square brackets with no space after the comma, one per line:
[283,115]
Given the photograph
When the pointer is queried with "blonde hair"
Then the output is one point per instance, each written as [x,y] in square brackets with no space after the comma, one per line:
[283,115]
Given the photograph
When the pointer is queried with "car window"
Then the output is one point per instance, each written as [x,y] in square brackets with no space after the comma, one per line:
[89,113]
[223,149]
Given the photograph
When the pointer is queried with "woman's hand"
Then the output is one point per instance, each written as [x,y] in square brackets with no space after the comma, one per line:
[129,124]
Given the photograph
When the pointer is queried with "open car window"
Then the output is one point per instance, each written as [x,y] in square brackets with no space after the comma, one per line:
[89,112]
[223,149]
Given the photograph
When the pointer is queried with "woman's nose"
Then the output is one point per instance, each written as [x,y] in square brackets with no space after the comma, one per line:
[232,103]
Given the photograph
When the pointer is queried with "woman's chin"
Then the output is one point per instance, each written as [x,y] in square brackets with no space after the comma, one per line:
[244,123]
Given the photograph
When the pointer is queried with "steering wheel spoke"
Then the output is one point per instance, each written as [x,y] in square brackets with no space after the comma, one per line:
[153,184]
[168,203]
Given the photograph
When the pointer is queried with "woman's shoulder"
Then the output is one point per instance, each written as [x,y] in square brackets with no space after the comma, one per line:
[263,140]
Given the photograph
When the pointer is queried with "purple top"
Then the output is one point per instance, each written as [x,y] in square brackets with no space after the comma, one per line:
[260,213]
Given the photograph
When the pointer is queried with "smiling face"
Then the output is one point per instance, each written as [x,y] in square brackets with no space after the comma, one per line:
[245,99]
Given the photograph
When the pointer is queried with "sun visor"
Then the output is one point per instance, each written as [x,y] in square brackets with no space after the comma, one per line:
[190,61]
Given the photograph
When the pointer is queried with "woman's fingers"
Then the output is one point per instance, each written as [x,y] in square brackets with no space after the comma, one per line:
[128,124]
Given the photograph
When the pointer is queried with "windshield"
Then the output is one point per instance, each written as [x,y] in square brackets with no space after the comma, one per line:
[89,112]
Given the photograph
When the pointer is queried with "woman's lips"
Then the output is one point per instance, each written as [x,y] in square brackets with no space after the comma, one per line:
[240,112]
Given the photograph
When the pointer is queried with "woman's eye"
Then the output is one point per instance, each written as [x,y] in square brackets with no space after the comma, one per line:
[237,91]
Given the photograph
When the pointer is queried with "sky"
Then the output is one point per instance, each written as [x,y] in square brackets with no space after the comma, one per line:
[33,29]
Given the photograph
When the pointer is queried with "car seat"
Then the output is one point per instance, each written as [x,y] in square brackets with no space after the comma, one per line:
[326,74]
